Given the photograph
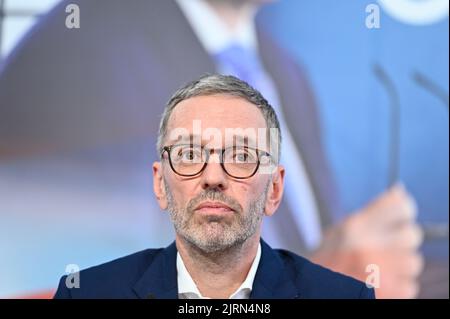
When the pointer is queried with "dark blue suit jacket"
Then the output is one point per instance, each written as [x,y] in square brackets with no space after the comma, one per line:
[152,273]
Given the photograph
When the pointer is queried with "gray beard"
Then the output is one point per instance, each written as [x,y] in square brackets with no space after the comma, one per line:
[216,235]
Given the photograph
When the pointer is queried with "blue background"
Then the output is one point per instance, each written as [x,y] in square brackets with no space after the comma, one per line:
[331,39]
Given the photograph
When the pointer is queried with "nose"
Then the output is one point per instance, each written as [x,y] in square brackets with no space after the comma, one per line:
[213,176]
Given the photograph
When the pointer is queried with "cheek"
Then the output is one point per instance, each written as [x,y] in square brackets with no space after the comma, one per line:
[243,189]
[181,192]
[248,193]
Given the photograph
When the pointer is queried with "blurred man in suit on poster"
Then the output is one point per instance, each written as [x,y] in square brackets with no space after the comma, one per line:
[103,85]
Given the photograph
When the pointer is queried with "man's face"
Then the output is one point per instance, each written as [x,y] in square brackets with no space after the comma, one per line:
[212,210]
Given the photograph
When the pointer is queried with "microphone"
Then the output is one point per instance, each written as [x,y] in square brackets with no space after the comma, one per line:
[431,87]
[394,126]
[433,230]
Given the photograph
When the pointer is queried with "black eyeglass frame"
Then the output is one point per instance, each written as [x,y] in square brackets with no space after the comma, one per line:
[259,154]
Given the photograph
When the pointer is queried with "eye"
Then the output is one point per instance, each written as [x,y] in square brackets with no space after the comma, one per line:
[243,156]
[189,155]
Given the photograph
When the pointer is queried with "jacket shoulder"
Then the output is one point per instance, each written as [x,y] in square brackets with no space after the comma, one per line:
[113,279]
[317,282]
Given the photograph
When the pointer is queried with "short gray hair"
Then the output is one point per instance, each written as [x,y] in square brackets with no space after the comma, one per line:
[212,84]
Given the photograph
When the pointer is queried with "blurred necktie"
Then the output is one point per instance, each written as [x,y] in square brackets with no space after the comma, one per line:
[245,64]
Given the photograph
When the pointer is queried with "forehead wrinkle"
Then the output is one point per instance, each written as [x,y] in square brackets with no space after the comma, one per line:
[221,107]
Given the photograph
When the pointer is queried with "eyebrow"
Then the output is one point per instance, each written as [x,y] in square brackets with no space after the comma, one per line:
[186,138]
[237,139]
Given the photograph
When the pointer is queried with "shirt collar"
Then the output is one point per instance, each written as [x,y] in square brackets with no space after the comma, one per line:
[188,289]
[212,32]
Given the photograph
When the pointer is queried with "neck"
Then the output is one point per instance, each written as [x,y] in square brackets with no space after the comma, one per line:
[219,274]
[233,13]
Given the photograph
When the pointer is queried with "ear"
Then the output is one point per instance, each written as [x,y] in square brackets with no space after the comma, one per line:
[158,185]
[275,193]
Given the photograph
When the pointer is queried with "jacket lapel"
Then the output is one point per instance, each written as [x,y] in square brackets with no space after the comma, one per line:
[159,281]
[272,280]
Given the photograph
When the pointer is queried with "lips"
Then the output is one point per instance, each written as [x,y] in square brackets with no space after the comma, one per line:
[213,207]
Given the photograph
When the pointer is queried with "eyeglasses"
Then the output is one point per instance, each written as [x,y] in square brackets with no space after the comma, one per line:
[237,161]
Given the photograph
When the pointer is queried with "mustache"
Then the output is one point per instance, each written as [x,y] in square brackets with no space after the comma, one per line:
[213,195]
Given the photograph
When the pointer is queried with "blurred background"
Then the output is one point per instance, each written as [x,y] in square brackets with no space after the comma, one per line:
[70,196]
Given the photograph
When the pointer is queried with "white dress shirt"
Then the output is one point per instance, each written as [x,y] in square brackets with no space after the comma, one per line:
[187,289]
[215,36]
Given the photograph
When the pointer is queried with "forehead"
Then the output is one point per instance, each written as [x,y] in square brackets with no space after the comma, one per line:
[216,111]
